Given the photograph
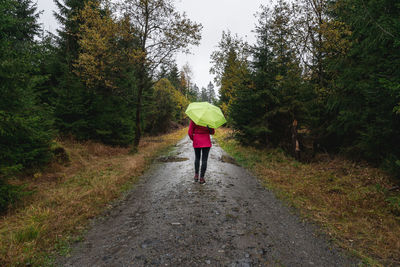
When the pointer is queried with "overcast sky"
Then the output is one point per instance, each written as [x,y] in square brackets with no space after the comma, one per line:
[215,16]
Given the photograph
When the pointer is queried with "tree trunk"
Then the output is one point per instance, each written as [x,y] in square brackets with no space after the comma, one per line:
[295,141]
[138,132]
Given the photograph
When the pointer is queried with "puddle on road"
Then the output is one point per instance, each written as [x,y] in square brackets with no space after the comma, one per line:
[171,159]
[229,159]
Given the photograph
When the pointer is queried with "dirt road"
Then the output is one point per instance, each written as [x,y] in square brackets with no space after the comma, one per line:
[168,220]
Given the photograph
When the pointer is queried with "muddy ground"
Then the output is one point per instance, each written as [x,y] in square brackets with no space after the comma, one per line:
[168,220]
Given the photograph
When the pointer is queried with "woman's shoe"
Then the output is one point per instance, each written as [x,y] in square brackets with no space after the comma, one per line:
[196,178]
[202,181]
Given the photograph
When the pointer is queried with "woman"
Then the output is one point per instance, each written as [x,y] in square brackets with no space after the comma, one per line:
[200,136]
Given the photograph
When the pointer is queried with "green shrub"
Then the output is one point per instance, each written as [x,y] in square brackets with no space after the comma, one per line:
[9,194]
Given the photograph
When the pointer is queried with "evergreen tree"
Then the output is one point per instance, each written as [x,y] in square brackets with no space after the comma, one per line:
[203,95]
[183,82]
[25,125]
[68,11]
[72,102]
[169,106]
[256,103]
[173,76]
[95,84]
[231,56]
[286,90]
[194,93]
[107,61]
[362,119]
[264,104]
[211,93]
[229,80]
[163,73]
[188,74]
[243,110]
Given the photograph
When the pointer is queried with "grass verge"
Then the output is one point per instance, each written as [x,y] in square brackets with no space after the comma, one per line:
[66,197]
[352,202]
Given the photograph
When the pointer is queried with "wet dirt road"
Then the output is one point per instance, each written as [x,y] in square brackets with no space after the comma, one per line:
[168,220]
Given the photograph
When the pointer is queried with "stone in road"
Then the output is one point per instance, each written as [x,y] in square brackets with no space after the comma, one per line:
[168,220]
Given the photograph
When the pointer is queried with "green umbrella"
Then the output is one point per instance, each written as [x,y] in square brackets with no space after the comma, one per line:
[205,114]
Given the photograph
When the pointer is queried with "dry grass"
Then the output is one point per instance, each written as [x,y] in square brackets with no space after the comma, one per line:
[352,202]
[66,197]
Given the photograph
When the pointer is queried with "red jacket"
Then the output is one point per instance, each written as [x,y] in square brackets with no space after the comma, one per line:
[200,135]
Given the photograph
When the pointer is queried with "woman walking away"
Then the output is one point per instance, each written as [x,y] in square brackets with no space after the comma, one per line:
[200,136]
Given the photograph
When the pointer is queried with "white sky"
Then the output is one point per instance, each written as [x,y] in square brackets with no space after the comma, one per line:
[215,16]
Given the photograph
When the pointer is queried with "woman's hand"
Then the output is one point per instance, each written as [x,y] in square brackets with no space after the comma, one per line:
[209,130]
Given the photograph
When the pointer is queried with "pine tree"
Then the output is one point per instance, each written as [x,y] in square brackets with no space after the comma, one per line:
[168,106]
[163,73]
[244,110]
[72,108]
[25,125]
[286,89]
[183,82]
[362,119]
[68,10]
[211,93]
[264,103]
[232,53]
[106,63]
[204,95]
[194,93]
[230,80]
[188,74]
[173,76]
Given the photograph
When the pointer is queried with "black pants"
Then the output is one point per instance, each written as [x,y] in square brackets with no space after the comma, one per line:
[204,157]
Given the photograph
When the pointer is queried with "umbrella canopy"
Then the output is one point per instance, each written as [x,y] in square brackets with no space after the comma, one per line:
[205,114]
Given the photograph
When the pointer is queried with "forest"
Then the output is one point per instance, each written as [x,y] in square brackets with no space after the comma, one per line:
[329,68]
